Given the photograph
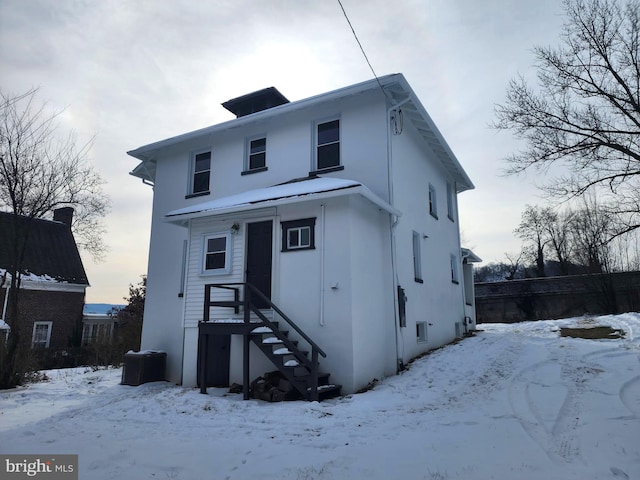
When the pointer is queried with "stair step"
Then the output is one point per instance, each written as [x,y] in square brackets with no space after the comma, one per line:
[291,363]
[262,329]
[282,351]
[272,340]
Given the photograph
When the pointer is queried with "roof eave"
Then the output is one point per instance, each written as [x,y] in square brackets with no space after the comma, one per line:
[183,219]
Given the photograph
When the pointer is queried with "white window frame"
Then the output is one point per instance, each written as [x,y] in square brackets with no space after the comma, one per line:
[450,204]
[248,154]
[192,173]
[227,259]
[96,330]
[421,332]
[290,226]
[49,326]
[317,145]
[417,257]
[433,202]
[455,275]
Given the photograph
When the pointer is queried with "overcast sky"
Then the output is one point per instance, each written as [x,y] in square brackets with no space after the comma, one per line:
[132,72]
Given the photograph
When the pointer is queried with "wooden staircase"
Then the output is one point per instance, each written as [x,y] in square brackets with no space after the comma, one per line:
[293,362]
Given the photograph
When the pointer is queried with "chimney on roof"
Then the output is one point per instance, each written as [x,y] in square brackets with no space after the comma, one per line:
[63,215]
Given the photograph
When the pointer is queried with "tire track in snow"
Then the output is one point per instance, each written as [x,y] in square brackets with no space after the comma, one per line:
[552,422]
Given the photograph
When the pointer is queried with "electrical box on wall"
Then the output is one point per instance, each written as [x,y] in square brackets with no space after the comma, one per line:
[402,311]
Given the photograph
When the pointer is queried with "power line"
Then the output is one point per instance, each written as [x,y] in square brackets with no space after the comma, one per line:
[362,49]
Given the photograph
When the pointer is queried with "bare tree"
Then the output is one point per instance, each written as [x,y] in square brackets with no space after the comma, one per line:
[533,230]
[591,230]
[585,114]
[40,171]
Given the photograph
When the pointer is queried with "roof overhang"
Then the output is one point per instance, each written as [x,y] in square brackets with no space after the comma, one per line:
[412,109]
[317,188]
[470,257]
[397,91]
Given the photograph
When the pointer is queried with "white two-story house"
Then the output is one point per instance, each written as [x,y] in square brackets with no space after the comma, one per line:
[337,214]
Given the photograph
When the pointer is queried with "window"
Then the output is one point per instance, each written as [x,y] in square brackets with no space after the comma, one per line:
[217,254]
[97,332]
[201,173]
[417,260]
[328,145]
[454,268]
[433,203]
[450,211]
[298,234]
[41,334]
[421,331]
[256,160]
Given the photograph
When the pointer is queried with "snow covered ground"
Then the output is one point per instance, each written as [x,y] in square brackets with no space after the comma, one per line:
[513,402]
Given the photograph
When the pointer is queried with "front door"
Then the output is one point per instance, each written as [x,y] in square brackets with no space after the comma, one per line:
[259,258]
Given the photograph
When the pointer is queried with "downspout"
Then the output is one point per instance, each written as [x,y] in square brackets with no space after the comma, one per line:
[394,220]
[464,288]
[322,258]
[6,302]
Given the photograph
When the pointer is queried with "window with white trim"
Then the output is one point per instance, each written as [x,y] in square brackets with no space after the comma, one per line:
[450,197]
[298,234]
[433,202]
[200,173]
[417,258]
[256,159]
[328,145]
[217,254]
[95,331]
[454,269]
[41,334]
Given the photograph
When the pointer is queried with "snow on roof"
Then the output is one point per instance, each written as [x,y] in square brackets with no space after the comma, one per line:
[279,194]
[30,277]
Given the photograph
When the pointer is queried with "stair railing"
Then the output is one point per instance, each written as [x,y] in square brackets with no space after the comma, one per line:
[249,306]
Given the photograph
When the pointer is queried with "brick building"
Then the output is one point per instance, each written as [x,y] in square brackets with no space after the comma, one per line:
[53,281]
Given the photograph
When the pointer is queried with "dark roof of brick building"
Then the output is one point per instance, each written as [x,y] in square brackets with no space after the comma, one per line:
[51,249]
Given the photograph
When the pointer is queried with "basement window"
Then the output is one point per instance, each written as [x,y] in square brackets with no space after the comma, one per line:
[421,331]
[298,234]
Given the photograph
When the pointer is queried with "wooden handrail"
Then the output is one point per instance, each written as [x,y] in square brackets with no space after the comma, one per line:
[263,297]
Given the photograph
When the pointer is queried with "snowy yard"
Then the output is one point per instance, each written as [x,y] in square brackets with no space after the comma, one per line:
[513,402]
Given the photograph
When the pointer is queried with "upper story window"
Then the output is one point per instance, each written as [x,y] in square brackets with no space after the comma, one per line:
[328,145]
[201,173]
[433,202]
[41,334]
[454,269]
[256,157]
[298,234]
[417,258]
[217,253]
[450,197]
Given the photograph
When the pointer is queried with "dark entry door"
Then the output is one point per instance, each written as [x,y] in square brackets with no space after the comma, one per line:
[218,360]
[259,248]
